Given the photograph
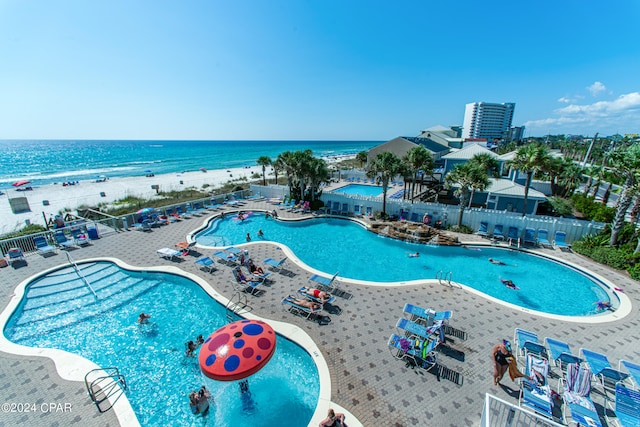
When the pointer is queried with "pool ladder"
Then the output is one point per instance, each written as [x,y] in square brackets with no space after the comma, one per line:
[107,385]
[237,304]
[84,279]
[444,278]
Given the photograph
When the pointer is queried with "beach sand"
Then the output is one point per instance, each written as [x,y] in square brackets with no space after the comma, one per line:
[89,193]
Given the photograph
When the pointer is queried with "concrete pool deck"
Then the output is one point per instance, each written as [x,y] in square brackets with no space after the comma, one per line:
[365,378]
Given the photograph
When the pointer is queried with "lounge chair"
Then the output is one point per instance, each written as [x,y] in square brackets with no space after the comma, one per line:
[561,353]
[420,352]
[634,373]
[603,371]
[527,343]
[248,285]
[62,241]
[369,211]
[79,237]
[513,235]
[144,225]
[484,229]
[300,310]
[356,210]
[182,213]
[422,315]
[303,292]
[413,329]
[627,407]
[15,255]
[535,392]
[497,232]
[559,240]
[529,236]
[185,247]
[275,264]
[335,209]
[577,387]
[324,283]
[42,246]
[168,253]
[206,264]
[173,215]
[226,257]
[543,238]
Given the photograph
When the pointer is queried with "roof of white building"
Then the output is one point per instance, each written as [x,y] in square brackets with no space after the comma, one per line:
[468,152]
[505,187]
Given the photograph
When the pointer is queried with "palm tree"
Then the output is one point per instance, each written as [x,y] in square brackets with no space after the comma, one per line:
[530,158]
[417,159]
[264,161]
[466,177]
[362,157]
[317,173]
[386,165]
[488,163]
[625,162]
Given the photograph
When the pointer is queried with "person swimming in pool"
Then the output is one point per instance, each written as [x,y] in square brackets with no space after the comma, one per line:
[414,255]
[496,261]
[509,284]
[143,318]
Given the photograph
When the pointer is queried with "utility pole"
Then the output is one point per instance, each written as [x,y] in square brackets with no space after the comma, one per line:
[586,157]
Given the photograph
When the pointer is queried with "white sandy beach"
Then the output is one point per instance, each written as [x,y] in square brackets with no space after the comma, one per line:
[68,198]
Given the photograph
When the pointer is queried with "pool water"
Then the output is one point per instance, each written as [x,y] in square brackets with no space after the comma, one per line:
[359,189]
[338,245]
[58,311]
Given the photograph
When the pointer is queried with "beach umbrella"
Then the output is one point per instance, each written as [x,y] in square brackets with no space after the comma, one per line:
[145,211]
[21,183]
[237,350]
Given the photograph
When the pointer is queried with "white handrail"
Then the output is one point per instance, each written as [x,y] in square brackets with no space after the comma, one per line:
[84,279]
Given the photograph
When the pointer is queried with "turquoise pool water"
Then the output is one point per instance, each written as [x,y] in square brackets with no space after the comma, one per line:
[333,244]
[362,190]
[59,311]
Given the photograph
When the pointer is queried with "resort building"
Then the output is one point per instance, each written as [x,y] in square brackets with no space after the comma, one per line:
[487,120]
[449,136]
[401,145]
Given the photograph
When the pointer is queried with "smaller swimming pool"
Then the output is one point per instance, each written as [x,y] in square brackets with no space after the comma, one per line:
[360,189]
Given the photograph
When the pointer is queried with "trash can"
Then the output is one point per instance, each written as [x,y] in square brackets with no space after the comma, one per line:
[92,232]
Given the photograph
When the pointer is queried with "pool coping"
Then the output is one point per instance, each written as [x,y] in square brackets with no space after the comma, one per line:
[72,367]
[624,308]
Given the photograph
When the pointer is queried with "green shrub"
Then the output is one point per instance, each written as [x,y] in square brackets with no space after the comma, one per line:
[462,229]
[591,209]
[616,258]
[561,206]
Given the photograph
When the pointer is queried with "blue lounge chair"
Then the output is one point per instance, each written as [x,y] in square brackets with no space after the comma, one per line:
[324,282]
[527,343]
[206,264]
[513,235]
[356,210]
[369,211]
[529,236]
[634,372]
[484,229]
[43,247]
[577,387]
[226,257]
[335,208]
[246,284]
[275,264]
[559,240]
[168,253]
[422,315]
[603,371]
[301,310]
[345,209]
[421,352]
[306,292]
[497,232]
[79,237]
[535,392]
[543,238]
[413,329]
[627,407]
[561,353]
[15,255]
[62,241]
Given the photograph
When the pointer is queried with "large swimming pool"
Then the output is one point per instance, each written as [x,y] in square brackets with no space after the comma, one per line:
[338,245]
[360,189]
[58,311]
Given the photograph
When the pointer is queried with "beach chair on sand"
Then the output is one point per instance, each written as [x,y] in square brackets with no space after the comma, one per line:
[43,247]
[527,343]
[308,312]
[626,408]
[535,392]
[603,371]
[577,387]
[561,353]
[543,238]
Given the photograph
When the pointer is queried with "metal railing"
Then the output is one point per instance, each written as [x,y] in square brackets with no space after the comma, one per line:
[109,384]
[497,412]
[79,273]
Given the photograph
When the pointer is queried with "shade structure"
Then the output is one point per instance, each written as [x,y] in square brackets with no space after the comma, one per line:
[20,183]
[237,350]
[145,211]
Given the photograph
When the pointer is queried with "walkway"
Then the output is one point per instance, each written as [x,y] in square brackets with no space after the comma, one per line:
[366,379]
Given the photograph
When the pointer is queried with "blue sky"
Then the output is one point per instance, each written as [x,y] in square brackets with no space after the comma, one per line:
[316,69]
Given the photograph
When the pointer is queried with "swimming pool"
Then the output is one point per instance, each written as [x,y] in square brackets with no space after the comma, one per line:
[58,311]
[334,244]
[362,190]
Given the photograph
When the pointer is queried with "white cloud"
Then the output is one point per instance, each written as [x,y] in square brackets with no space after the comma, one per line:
[564,100]
[619,115]
[596,88]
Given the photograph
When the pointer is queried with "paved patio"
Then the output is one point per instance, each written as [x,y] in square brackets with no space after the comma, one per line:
[366,379]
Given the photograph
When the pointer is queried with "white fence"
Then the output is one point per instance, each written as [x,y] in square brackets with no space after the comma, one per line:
[496,412]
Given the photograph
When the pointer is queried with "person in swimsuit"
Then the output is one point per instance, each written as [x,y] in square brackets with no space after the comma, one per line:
[333,420]
[317,293]
[500,355]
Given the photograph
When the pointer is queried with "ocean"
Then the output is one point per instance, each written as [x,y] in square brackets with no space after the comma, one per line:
[46,162]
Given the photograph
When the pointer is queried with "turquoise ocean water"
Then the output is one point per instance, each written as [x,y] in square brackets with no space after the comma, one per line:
[46,162]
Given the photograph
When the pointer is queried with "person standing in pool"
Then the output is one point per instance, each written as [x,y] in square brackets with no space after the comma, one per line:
[144,318]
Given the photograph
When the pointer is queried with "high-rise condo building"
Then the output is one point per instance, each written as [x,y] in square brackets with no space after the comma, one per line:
[486,120]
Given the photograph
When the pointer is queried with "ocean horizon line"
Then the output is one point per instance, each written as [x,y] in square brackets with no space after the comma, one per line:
[189,140]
